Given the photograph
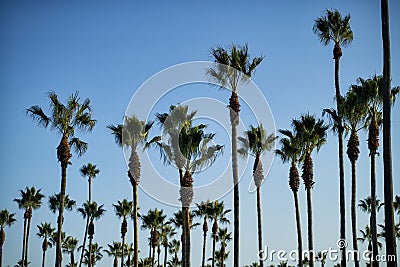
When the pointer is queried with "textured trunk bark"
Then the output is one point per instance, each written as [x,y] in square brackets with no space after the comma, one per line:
[23,242]
[354,212]
[298,226]
[203,260]
[259,225]
[236,212]
[135,227]
[27,239]
[373,211]
[390,236]
[58,262]
[84,240]
[310,231]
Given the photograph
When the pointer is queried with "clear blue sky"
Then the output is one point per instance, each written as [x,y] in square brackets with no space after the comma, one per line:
[106,50]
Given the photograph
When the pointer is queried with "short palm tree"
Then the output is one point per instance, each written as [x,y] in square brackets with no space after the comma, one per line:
[6,219]
[255,143]
[132,134]
[173,248]
[69,246]
[64,119]
[312,135]
[93,255]
[54,203]
[45,232]
[204,211]
[223,237]
[31,199]
[234,67]
[123,209]
[290,151]
[332,27]
[218,216]
[114,250]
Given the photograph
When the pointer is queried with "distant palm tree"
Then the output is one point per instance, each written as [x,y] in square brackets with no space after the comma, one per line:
[114,250]
[31,199]
[204,211]
[93,255]
[69,246]
[95,212]
[321,256]
[129,251]
[233,68]
[64,120]
[54,203]
[217,215]
[290,151]
[334,28]
[173,248]
[167,232]
[255,143]
[123,209]
[45,232]
[312,135]
[6,219]
[145,262]
[90,170]
[366,236]
[85,211]
[133,133]
[20,263]
[223,237]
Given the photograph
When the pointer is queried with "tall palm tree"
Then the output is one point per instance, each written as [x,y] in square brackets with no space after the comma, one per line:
[91,171]
[54,203]
[69,246]
[223,237]
[6,219]
[167,232]
[64,119]
[93,254]
[114,250]
[132,134]
[85,211]
[45,232]
[234,66]
[204,211]
[31,199]
[173,248]
[218,216]
[191,151]
[290,151]
[312,135]
[255,143]
[95,212]
[387,145]
[332,27]
[123,209]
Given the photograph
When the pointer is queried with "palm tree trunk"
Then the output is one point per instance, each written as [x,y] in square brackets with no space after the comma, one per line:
[90,252]
[43,258]
[90,189]
[204,241]
[151,242]
[353,212]
[84,240]
[236,213]
[58,261]
[390,236]
[115,261]
[337,54]
[186,236]
[298,225]
[310,232]
[122,250]
[373,210]
[165,255]
[183,240]
[223,255]
[135,226]
[158,255]
[1,255]
[154,253]
[72,258]
[27,237]
[176,260]
[24,238]
[259,224]
[214,230]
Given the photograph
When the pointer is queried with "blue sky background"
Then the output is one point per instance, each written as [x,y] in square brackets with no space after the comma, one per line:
[106,50]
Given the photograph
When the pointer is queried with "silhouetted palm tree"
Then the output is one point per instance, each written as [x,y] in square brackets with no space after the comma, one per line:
[173,248]
[218,216]
[93,255]
[223,237]
[64,119]
[167,232]
[234,67]
[45,232]
[114,250]
[69,246]
[90,170]
[31,199]
[54,203]
[204,211]
[6,219]
[123,209]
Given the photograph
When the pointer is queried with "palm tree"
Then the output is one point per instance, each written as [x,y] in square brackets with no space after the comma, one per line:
[114,250]
[145,262]
[129,250]
[334,28]
[321,256]
[255,143]
[31,199]
[123,209]
[173,248]
[387,145]
[217,215]
[366,236]
[45,232]
[95,212]
[195,152]
[223,237]
[233,68]
[54,203]
[6,219]
[133,133]
[204,211]
[90,170]
[65,119]
[69,245]
[93,255]
[312,135]
[167,231]
[290,151]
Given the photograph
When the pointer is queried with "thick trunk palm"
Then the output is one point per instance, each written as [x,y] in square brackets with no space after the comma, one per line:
[390,237]
[115,261]
[84,241]
[259,224]
[27,236]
